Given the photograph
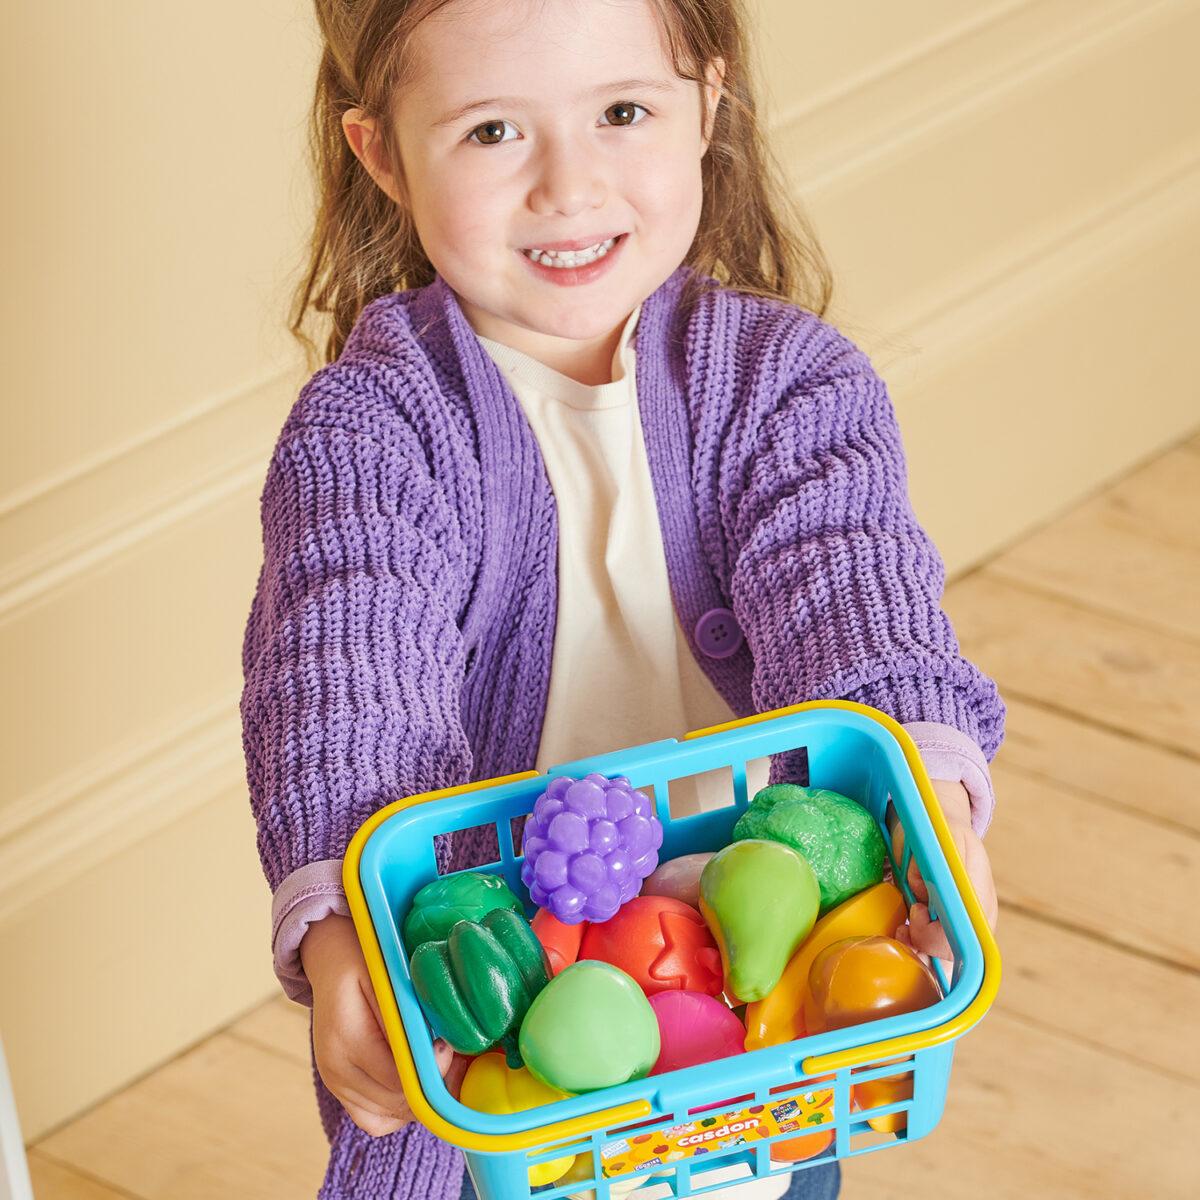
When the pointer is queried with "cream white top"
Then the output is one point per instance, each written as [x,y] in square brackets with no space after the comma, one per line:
[621,672]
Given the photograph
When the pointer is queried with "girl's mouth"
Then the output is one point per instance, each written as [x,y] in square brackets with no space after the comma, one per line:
[577,273]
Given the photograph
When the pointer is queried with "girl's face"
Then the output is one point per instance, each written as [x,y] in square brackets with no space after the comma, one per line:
[571,149]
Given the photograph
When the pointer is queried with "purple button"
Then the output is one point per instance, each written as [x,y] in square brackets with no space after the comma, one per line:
[718,634]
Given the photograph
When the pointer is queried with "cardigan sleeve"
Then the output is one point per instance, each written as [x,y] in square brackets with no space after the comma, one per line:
[836,585]
[947,753]
[353,657]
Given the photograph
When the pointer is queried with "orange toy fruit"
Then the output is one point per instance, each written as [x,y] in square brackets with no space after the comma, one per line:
[663,943]
[817,1103]
[867,979]
[559,940]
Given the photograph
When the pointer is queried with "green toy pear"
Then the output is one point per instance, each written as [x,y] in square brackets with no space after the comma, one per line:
[760,899]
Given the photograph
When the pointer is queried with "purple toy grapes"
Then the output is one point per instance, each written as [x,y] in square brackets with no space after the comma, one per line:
[588,845]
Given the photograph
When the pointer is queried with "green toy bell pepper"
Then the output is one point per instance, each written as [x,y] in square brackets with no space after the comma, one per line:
[477,984]
[440,905]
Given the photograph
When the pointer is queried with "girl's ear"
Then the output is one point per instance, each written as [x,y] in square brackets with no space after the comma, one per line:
[715,76]
[363,135]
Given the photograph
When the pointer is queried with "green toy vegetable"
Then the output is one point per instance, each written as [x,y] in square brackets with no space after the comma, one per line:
[477,984]
[836,834]
[440,905]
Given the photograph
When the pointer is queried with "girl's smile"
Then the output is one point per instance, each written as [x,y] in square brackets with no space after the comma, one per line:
[594,267]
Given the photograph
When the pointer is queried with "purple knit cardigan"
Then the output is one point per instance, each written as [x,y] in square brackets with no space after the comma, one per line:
[400,637]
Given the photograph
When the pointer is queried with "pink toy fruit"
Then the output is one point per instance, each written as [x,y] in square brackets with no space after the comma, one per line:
[694,1028]
[679,878]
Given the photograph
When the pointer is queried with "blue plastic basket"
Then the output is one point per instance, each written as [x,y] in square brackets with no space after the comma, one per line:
[851,749]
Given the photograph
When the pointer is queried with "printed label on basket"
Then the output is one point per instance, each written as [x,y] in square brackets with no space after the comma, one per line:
[799,1113]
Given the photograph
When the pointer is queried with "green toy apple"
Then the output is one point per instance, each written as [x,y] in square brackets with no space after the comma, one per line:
[590,1027]
[760,899]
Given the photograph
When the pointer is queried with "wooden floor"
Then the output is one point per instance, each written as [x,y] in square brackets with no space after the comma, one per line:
[1083,1081]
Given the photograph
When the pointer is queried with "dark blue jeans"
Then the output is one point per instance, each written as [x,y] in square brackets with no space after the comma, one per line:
[814,1183]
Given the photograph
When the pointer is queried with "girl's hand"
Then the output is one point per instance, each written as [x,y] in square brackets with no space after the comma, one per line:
[352,1054]
[923,935]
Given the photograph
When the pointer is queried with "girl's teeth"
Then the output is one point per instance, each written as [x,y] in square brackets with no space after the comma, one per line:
[571,258]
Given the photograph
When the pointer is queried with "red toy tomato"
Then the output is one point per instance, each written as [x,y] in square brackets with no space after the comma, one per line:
[663,943]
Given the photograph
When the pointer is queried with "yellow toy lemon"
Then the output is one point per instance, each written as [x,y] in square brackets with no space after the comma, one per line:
[492,1086]
[581,1172]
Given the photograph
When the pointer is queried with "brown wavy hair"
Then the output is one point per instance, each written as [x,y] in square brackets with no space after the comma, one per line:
[752,235]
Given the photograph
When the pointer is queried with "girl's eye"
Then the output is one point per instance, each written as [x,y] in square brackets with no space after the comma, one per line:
[627,105]
[622,105]
[489,125]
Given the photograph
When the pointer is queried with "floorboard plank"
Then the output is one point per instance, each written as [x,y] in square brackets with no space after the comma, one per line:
[1089,557]
[53,1181]
[1106,764]
[1100,668]
[1161,498]
[225,1119]
[1066,857]
[1030,1114]
[1064,980]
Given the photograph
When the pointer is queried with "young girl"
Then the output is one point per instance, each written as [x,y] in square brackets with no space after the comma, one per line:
[544,499]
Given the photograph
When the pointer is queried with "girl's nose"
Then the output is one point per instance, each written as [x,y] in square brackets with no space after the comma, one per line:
[569,179]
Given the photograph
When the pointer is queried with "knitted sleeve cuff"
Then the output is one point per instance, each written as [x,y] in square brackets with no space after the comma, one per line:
[307,895]
[410,1164]
[948,753]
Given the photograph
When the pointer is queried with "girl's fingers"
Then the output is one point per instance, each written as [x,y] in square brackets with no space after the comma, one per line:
[452,1065]
[454,1076]
[903,935]
[381,1098]
[367,1119]
[979,868]
[897,842]
[926,936]
[372,1094]
[368,993]
[357,1094]
[360,1066]
[374,1056]
[917,882]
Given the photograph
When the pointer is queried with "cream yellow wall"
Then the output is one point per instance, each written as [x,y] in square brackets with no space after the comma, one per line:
[1008,192]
